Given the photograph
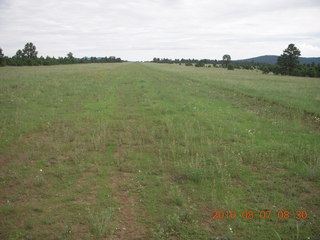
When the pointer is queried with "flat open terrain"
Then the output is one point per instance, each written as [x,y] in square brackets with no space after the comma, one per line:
[150,151]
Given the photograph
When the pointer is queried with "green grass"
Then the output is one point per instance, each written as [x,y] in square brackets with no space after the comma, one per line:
[148,151]
[296,92]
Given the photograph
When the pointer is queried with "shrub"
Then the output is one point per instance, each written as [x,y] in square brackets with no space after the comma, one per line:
[199,64]
[230,67]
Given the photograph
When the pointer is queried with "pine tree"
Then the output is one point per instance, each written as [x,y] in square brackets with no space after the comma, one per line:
[226,59]
[289,60]
[2,59]
[29,51]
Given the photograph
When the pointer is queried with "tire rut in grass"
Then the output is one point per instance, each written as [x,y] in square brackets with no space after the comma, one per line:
[122,183]
[128,228]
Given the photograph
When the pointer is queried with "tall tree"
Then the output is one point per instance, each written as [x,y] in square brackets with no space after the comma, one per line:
[289,60]
[226,59]
[29,51]
[19,54]
[70,55]
[2,63]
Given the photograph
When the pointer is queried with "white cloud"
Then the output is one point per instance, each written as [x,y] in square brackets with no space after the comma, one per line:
[143,29]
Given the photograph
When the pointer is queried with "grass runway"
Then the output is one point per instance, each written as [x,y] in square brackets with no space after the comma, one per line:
[156,151]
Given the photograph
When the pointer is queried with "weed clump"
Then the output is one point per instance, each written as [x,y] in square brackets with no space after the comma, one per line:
[100,223]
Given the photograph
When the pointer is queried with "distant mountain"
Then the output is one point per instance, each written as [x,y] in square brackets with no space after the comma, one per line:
[314,60]
[272,59]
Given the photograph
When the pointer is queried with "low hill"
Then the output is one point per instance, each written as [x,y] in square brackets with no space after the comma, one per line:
[272,59]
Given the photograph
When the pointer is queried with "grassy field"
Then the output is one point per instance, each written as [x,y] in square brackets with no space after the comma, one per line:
[150,151]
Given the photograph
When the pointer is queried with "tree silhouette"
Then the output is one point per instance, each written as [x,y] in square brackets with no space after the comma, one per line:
[226,59]
[70,55]
[29,51]
[2,60]
[289,60]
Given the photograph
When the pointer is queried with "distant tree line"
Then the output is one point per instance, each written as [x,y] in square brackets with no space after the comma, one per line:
[224,63]
[287,64]
[28,57]
[305,70]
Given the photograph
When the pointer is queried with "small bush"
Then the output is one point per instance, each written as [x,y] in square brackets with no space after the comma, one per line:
[230,67]
[200,64]
[175,196]
[265,70]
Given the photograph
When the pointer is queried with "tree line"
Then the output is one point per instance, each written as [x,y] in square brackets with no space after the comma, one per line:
[28,56]
[287,64]
[224,63]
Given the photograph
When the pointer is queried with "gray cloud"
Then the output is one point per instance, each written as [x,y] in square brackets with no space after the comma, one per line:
[142,29]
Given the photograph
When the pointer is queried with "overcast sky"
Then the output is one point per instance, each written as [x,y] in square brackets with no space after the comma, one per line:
[143,29]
